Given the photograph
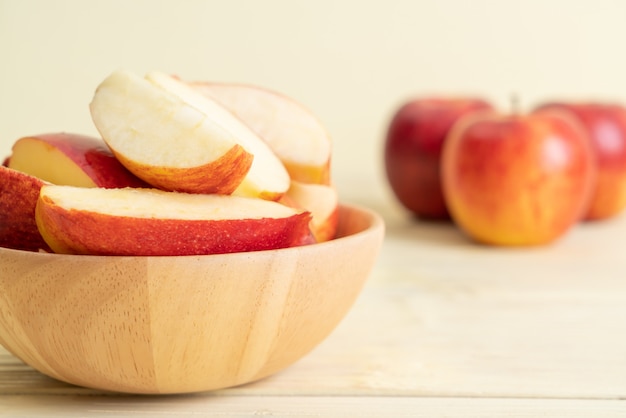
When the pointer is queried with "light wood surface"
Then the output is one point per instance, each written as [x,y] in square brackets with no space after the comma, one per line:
[443,327]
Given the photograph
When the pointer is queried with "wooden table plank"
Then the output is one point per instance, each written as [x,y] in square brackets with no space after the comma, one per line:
[304,406]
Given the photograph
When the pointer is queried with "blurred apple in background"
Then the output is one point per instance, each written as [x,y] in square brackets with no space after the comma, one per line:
[517,179]
[605,124]
[413,151]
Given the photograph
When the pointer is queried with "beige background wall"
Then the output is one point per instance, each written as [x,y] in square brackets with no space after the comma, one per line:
[352,62]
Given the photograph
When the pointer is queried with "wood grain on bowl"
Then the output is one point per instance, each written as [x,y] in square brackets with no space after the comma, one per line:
[181,324]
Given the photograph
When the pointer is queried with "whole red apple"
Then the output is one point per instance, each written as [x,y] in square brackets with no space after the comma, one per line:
[517,179]
[413,150]
[605,124]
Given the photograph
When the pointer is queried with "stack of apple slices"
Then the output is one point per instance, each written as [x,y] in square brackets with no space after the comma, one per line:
[181,169]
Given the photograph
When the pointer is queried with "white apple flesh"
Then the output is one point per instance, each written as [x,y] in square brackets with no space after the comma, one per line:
[71,159]
[322,201]
[296,136]
[176,139]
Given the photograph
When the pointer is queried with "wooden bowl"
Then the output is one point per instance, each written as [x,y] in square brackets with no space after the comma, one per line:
[181,324]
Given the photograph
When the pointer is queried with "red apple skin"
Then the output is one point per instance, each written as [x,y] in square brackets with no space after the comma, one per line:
[93,157]
[166,237]
[221,176]
[413,147]
[73,230]
[18,198]
[517,180]
[605,124]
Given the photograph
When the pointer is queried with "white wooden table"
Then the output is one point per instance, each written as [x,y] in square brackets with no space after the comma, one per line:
[443,328]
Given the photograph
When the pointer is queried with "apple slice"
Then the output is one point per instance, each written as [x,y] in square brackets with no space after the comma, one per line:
[291,130]
[18,197]
[323,203]
[176,139]
[133,221]
[71,159]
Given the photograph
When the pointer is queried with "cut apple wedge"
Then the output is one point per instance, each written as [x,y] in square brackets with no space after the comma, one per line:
[292,131]
[71,159]
[18,198]
[323,203]
[176,139]
[130,221]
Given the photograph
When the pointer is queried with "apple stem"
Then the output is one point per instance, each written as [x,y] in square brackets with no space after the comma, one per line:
[515,104]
